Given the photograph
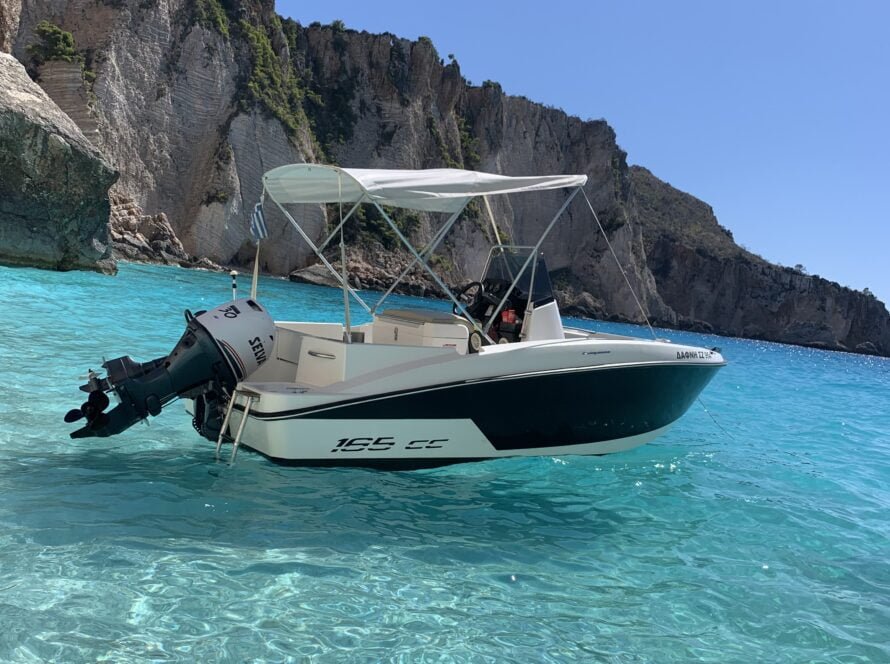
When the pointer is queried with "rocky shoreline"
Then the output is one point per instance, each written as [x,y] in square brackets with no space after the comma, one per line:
[144,238]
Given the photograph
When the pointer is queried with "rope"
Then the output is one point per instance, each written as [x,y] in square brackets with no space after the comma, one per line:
[618,263]
[714,419]
[494,226]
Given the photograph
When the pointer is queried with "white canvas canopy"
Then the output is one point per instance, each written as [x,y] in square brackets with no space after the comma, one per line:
[431,190]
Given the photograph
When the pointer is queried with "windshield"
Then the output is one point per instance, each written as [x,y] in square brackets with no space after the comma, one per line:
[505,263]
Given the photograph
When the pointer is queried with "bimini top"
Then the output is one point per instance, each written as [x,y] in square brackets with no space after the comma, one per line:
[432,190]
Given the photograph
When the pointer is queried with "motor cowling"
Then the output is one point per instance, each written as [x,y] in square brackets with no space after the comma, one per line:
[219,348]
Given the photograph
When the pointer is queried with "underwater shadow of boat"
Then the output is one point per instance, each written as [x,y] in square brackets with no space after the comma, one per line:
[151,500]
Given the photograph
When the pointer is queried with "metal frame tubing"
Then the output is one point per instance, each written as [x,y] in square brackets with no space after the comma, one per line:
[430,271]
[532,255]
[426,251]
[322,258]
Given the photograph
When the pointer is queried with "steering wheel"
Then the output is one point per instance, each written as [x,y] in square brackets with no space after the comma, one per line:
[471,298]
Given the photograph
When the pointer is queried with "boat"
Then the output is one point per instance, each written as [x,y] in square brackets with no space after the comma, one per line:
[499,375]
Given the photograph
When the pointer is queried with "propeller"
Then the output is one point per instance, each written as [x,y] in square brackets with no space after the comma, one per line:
[98,400]
[92,409]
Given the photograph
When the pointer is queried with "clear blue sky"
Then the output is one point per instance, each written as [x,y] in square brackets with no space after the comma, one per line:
[775,113]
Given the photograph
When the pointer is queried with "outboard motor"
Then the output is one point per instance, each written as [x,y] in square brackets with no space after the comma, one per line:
[218,349]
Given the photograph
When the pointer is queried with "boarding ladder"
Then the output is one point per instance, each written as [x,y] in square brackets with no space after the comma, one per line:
[249,397]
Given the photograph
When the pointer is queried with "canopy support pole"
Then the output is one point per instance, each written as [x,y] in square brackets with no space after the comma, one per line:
[530,303]
[426,251]
[321,257]
[256,271]
[340,225]
[494,226]
[347,328]
[532,256]
[457,303]
[256,260]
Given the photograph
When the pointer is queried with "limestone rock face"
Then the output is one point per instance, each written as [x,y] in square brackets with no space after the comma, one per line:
[64,83]
[219,230]
[166,106]
[54,185]
[10,10]
[407,109]
[711,282]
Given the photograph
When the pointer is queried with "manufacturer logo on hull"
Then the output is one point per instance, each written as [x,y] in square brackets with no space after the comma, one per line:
[385,444]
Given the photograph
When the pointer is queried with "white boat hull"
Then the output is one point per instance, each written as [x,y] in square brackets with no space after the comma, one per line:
[399,443]
[451,408]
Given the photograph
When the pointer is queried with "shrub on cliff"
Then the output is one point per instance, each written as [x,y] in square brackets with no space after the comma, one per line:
[270,84]
[211,14]
[53,43]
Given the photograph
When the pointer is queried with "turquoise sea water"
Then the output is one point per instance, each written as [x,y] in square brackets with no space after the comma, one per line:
[766,538]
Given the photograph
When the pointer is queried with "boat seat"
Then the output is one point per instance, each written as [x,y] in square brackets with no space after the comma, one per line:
[421,327]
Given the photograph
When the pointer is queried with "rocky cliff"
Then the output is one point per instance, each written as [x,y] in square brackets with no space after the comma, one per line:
[53,183]
[193,101]
[9,23]
[713,284]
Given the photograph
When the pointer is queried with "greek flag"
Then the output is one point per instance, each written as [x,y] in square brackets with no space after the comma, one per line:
[258,223]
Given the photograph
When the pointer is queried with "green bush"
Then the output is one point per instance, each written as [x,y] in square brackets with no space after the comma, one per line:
[53,44]
[469,145]
[211,14]
[368,225]
[216,196]
[270,85]
[450,161]
[426,41]
[442,264]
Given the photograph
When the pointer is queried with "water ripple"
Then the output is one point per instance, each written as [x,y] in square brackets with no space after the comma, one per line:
[766,544]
